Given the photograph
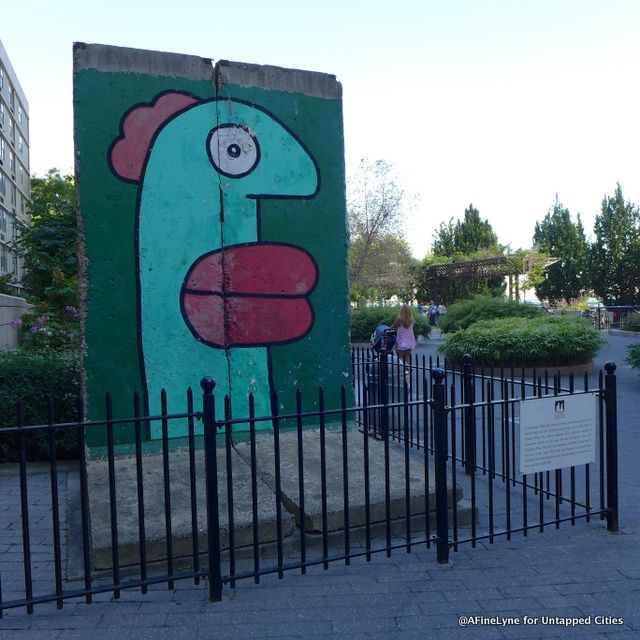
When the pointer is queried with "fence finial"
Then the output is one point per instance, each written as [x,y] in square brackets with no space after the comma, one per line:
[610,367]
[438,374]
[467,358]
[207,384]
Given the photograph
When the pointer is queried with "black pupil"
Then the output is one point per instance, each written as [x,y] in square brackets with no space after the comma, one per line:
[233,150]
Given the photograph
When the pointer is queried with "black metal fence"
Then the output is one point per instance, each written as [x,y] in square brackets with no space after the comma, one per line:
[481,417]
[624,317]
[424,457]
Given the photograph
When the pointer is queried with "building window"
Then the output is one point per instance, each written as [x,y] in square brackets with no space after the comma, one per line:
[2,184]
[12,129]
[1,114]
[1,149]
[12,161]
[14,194]
[19,114]
[20,144]
[3,220]
[1,77]
[12,97]
[4,259]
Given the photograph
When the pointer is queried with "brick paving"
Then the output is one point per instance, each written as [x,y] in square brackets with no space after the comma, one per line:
[576,572]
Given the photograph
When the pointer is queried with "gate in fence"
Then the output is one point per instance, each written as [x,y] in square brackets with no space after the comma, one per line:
[430,457]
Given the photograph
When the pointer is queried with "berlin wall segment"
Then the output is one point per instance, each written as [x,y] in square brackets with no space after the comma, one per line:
[214,238]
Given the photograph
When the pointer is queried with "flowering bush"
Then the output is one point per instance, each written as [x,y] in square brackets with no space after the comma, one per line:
[47,331]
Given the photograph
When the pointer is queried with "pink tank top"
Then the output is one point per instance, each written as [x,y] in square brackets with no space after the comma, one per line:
[405,338]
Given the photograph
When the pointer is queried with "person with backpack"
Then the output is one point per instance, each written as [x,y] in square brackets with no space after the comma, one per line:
[433,313]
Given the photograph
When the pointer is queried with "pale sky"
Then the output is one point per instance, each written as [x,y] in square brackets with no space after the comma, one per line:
[502,103]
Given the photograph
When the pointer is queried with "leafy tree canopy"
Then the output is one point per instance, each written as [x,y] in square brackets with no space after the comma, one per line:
[389,269]
[379,258]
[615,253]
[49,245]
[558,236]
[465,237]
[51,270]
[469,239]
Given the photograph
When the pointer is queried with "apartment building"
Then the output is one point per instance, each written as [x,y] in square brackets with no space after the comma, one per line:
[14,170]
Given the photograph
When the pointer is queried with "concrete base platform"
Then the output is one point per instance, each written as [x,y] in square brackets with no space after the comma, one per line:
[180,499]
[421,494]
[421,484]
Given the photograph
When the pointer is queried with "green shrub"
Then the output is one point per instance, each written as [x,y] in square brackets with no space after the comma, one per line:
[631,322]
[30,378]
[546,340]
[633,355]
[461,315]
[364,322]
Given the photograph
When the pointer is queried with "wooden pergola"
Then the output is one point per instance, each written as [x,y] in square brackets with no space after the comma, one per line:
[484,268]
[500,266]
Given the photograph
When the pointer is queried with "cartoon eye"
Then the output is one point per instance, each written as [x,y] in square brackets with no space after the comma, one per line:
[233,150]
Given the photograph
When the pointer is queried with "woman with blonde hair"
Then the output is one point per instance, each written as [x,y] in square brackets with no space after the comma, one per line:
[405,337]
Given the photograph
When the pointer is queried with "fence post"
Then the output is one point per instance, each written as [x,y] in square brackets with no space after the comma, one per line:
[611,421]
[384,393]
[441,450]
[211,488]
[600,323]
[469,417]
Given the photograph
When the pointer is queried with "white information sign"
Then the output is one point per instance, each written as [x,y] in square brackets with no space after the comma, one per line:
[557,432]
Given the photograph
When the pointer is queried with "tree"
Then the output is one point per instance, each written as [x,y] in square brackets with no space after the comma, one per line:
[49,245]
[465,237]
[469,239]
[51,272]
[558,236]
[375,208]
[388,271]
[615,253]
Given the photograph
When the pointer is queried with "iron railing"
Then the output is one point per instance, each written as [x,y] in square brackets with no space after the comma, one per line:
[425,456]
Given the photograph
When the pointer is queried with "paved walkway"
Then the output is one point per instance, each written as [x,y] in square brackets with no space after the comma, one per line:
[580,572]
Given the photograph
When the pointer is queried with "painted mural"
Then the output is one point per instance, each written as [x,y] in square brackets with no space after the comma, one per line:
[237,295]
[233,241]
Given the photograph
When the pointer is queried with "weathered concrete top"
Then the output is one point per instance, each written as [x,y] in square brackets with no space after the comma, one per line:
[311,83]
[155,63]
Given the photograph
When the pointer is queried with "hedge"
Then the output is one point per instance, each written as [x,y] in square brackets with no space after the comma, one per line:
[542,341]
[633,356]
[461,315]
[364,322]
[31,378]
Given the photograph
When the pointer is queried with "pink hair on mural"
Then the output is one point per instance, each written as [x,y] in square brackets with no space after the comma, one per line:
[138,127]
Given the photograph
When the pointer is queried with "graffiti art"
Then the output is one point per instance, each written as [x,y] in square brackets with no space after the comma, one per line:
[209,290]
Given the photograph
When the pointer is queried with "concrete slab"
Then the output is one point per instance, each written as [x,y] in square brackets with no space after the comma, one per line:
[180,499]
[335,482]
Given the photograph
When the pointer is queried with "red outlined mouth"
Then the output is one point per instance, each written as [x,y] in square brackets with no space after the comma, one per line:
[249,295]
